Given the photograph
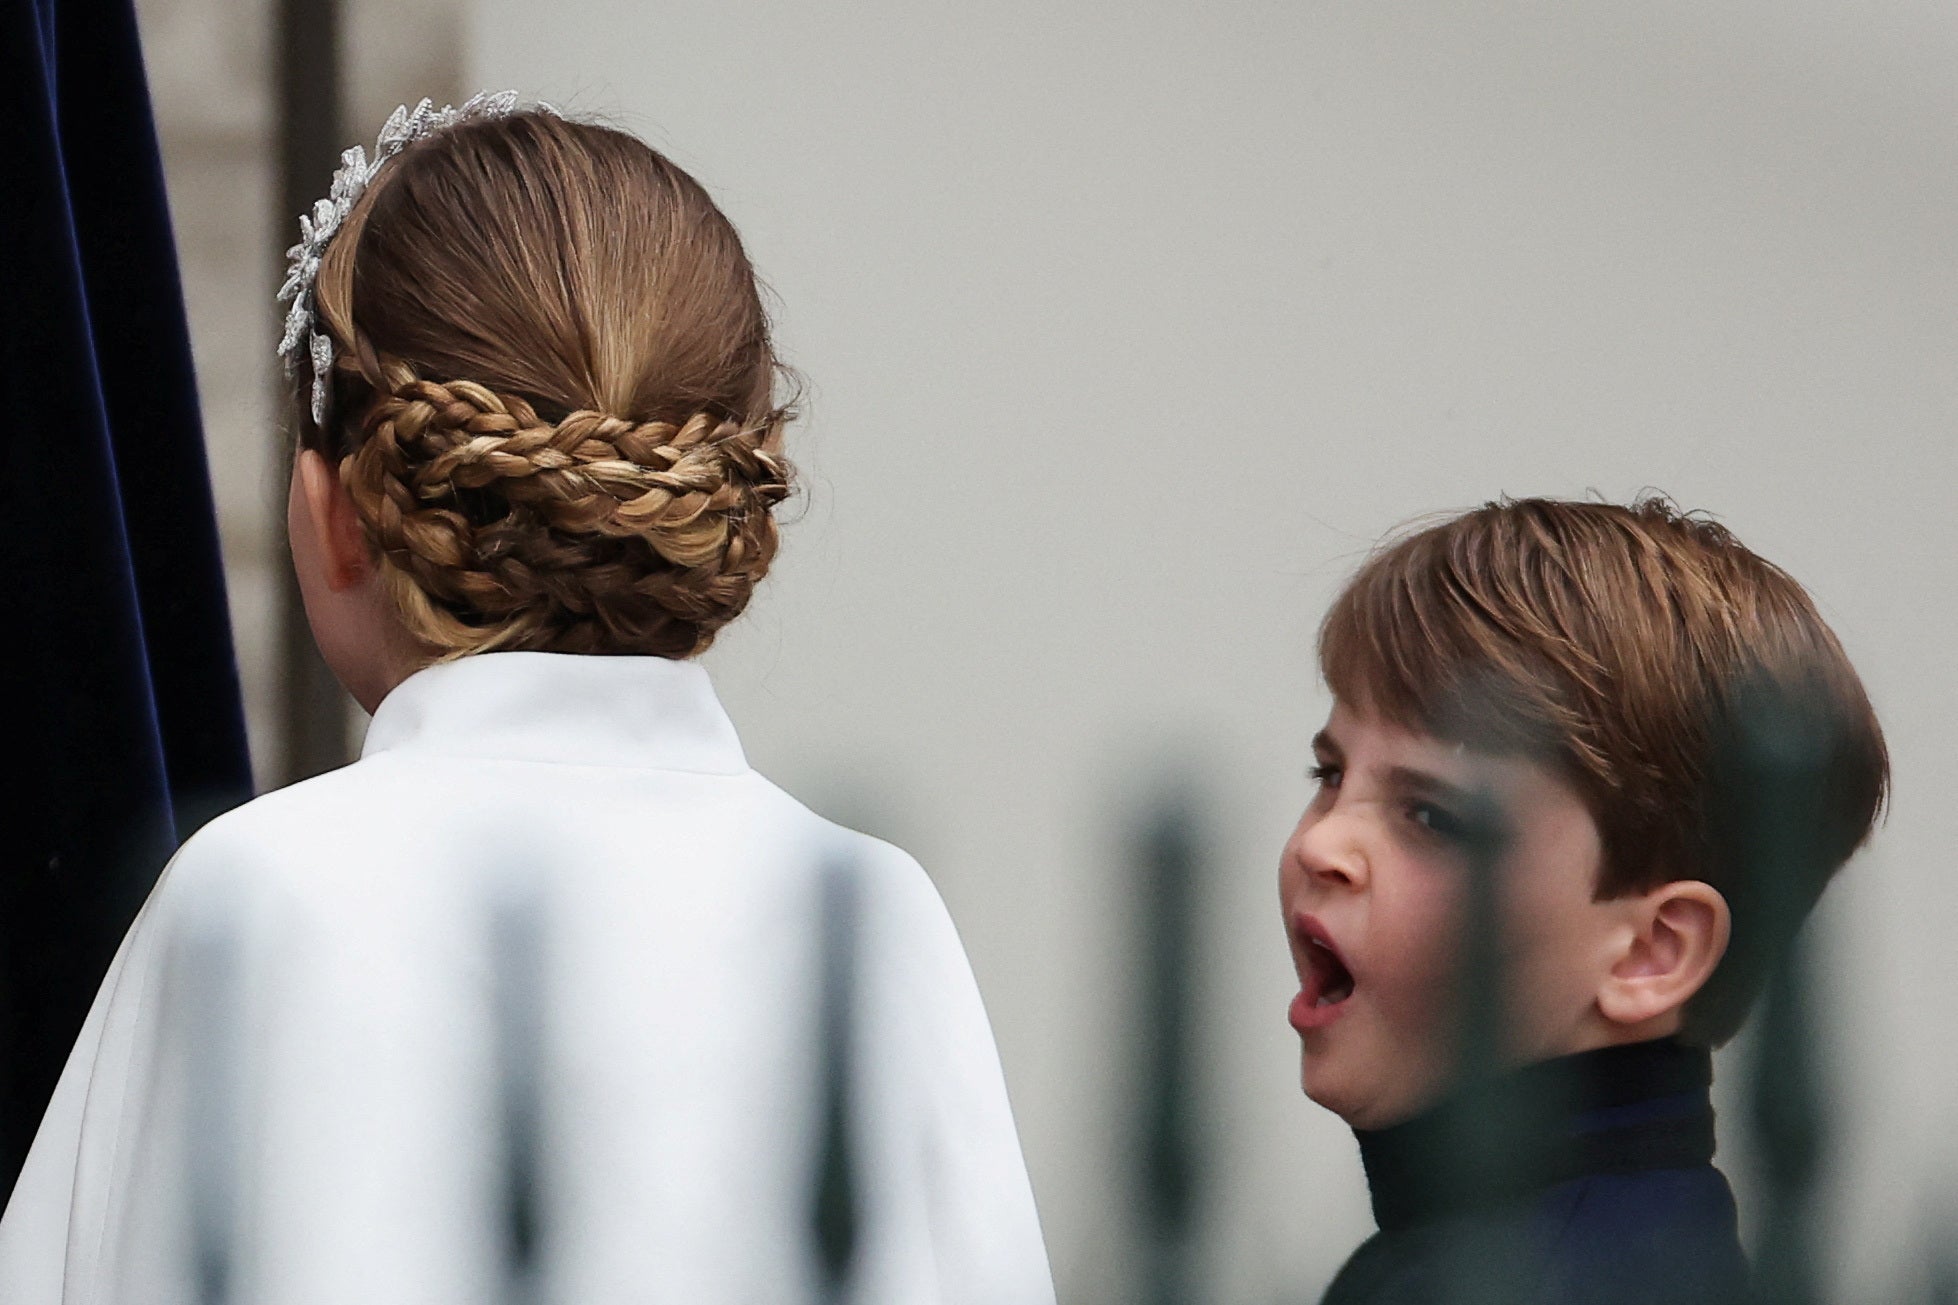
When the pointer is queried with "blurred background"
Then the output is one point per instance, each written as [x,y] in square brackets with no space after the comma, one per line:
[1128,329]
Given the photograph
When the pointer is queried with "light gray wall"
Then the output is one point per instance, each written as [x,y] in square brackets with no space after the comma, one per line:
[1130,327]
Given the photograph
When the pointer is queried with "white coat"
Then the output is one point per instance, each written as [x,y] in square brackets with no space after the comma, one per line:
[550,923]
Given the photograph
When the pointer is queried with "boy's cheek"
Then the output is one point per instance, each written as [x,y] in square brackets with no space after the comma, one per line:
[1290,879]
[1415,1007]
[1418,955]
[1380,1073]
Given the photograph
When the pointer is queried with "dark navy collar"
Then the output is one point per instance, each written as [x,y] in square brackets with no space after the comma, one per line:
[1622,1109]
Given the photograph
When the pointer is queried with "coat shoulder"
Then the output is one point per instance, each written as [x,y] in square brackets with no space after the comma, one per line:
[1667,1235]
[1662,1237]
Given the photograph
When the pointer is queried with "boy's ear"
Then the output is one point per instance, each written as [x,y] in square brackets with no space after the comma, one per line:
[338,541]
[1678,933]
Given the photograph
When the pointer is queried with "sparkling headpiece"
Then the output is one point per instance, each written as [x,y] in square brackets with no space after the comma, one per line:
[404,127]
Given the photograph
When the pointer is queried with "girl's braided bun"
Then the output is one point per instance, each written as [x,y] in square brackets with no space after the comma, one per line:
[554,393]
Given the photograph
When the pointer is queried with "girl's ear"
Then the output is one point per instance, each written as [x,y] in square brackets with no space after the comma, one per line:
[332,523]
[1678,934]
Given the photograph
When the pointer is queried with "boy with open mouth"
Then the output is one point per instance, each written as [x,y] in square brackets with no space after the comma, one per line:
[1526,768]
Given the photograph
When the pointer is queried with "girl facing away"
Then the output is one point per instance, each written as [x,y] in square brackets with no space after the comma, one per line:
[548,988]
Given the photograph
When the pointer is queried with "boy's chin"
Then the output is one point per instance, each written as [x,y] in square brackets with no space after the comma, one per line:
[1323,1087]
[1358,1099]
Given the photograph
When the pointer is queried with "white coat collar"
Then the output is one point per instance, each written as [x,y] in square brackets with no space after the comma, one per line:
[641,712]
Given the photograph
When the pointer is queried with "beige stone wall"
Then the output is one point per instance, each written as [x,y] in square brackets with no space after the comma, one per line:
[209,80]
[211,64]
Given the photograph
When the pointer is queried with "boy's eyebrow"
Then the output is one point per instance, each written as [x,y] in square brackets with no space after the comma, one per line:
[1420,781]
[1325,742]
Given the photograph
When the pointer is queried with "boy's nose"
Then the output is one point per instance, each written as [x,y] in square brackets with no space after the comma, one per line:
[1328,851]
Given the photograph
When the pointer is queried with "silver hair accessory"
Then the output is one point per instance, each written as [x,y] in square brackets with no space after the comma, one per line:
[356,172]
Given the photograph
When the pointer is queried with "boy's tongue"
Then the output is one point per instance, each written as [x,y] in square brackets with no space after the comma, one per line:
[1327,981]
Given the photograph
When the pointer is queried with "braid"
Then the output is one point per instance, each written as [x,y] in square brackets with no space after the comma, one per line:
[500,267]
[593,533]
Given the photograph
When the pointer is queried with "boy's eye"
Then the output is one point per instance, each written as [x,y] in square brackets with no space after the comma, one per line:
[1436,820]
[1325,776]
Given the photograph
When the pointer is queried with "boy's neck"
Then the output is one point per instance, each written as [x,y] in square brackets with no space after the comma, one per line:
[1612,1109]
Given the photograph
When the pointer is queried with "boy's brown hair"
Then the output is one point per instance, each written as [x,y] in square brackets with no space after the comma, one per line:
[1613,642]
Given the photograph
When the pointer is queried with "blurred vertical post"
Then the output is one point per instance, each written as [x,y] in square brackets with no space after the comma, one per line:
[1167,1182]
[313,710]
[203,975]
[1941,1287]
[1786,1107]
[1775,766]
[835,1205]
[516,946]
[1488,1157]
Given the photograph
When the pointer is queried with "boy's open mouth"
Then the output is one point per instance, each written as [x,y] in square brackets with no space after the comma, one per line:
[1327,980]
[1324,981]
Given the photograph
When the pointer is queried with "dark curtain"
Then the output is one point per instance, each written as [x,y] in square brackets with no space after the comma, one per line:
[123,721]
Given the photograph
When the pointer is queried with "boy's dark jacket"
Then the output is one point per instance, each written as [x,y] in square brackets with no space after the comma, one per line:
[1586,1180]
